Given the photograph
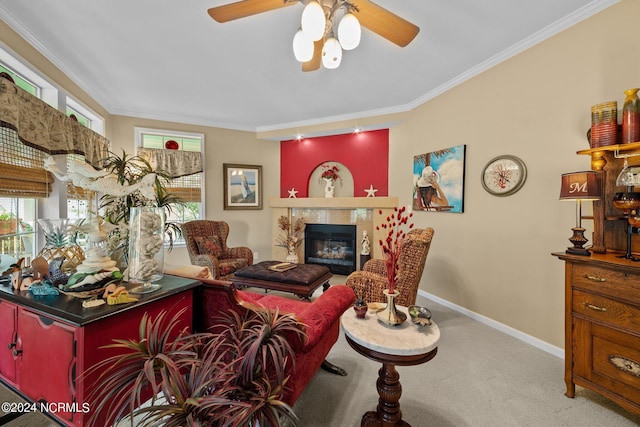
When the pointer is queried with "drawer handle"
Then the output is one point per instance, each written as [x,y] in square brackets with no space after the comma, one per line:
[594,278]
[594,307]
[625,365]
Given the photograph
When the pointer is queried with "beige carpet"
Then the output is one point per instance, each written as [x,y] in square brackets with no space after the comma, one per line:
[480,377]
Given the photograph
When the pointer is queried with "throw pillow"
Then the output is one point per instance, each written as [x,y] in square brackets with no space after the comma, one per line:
[209,245]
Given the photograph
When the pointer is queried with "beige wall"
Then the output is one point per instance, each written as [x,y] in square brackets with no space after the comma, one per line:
[494,259]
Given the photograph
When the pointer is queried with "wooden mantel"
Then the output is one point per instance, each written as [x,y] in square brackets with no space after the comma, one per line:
[335,202]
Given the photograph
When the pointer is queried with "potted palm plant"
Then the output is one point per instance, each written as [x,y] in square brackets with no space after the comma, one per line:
[233,376]
[130,170]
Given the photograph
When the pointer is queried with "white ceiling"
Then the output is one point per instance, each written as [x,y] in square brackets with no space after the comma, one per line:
[168,60]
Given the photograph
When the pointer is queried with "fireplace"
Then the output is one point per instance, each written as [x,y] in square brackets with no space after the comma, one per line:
[332,245]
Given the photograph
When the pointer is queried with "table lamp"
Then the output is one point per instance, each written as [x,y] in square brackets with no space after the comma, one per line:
[579,186]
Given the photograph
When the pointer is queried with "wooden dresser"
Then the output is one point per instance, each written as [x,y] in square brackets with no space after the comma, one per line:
[602,326]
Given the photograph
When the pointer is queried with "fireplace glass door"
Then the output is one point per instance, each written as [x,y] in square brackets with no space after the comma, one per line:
[332,245]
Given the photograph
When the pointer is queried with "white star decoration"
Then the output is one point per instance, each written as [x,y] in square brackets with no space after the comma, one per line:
[371,192]
[292,193]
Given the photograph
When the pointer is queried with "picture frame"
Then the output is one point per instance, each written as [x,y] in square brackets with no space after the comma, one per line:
[438,180]
[242,186]
[503,175]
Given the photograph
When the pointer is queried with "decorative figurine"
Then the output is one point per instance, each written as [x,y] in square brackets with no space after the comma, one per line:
[56,275]
[366,244]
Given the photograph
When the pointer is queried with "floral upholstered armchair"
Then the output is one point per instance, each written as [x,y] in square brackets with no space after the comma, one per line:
[206,242]
[369,282]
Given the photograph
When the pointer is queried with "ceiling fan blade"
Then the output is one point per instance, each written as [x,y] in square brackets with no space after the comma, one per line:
[241,9]
[314,63]
[385,23]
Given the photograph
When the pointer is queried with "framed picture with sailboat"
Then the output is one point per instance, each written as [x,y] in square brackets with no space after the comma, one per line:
[242,186]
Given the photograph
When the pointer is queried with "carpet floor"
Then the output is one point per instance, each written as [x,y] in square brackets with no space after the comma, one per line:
[480,377]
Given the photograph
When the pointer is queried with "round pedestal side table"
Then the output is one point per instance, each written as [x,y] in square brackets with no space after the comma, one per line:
[403,345]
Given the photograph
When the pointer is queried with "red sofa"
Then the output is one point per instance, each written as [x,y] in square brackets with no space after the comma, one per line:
[321,318]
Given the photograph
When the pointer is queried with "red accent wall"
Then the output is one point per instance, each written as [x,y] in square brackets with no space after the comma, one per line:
[365,154]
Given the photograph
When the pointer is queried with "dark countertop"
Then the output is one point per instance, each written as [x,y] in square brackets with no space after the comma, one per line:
[69,309]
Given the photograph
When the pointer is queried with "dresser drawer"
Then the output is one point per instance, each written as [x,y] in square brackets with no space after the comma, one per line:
[608,281]
[606,310]
[616,361]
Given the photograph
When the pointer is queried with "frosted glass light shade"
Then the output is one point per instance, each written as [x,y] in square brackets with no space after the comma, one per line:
[313,20]
[331,53]
[302,47]
[349,31]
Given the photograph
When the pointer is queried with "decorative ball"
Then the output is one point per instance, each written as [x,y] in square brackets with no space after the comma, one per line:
[171,145]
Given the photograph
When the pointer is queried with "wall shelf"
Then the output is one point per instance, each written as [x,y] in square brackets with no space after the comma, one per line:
[598,154]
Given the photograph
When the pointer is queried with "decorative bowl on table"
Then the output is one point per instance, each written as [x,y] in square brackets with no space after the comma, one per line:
[420,315]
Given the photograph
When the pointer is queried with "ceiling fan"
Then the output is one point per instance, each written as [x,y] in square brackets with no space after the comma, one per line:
[326,48]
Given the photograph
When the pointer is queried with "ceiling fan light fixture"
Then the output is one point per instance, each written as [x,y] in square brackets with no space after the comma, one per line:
[349,31]
[302,47]
[331,54]
[313,20]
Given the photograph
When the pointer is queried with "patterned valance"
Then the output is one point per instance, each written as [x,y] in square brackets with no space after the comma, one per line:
[42,127]
[175,163]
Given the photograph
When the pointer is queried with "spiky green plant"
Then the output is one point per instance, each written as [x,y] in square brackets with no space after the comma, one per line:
[130,170]
[56,238]
[63,234]
[233,377]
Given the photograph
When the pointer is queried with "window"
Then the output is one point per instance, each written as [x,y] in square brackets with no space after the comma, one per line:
[21,82]
[24,185]
[85,115]
[84,121]
[22,180]
[17,225]
[189,188]
[79,201]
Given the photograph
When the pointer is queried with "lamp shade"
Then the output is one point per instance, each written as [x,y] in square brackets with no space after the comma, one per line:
[580,186]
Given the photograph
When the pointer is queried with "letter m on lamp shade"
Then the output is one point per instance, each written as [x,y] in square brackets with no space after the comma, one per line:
[579,186]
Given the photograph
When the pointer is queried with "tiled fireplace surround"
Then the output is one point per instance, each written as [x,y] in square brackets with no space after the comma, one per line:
[365,156]
[362,211]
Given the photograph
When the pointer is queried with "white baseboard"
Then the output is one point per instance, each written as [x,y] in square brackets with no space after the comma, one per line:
[542,345]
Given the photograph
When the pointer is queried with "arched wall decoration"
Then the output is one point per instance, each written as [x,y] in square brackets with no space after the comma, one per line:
[364,154]
[344,185]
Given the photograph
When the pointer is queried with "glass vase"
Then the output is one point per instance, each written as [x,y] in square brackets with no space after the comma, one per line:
[390,315]
[631,117]
[146,248]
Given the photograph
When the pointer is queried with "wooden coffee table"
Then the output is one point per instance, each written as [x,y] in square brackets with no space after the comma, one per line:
[302,280]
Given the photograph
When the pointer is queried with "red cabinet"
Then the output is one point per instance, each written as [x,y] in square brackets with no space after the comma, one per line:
[46,345]
[47,360]
[8,338]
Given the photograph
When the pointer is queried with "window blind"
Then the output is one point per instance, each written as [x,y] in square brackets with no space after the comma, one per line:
[22,172]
